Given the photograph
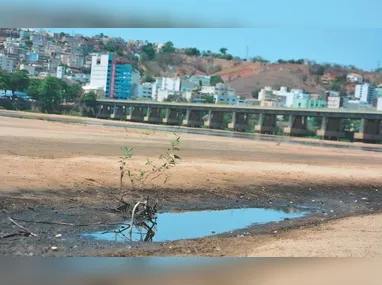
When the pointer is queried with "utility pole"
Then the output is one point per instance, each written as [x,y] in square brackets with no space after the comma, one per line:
[247,54]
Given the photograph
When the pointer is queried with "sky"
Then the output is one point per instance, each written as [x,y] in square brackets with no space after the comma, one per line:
[361,47]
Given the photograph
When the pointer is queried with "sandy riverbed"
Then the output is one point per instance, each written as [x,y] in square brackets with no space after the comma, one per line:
[60,166]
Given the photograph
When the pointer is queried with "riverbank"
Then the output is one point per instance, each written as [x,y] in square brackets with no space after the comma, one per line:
[70,173]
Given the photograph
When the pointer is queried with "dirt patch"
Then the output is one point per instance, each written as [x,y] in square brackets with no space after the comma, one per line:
[69,174]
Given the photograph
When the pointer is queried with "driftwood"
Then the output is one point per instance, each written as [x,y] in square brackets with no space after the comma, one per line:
[24,232]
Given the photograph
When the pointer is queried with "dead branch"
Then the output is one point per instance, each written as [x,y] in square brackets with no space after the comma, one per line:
[21,227]
[68,224]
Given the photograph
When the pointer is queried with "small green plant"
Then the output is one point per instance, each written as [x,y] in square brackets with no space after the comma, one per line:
[140,177]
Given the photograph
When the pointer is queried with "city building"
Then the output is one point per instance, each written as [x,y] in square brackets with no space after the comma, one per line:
[30,68]
[356,105]
[379,104]
[208,90]
[60,72]
[203,79]
[186,85]
[32,56]
[364,92]
[6,63]
[113,75]
[146,90]
[334,102]
[170,84]
[227,99]
[354,78]
[307,101]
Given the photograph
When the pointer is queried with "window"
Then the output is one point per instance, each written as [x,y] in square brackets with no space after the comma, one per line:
[98,61]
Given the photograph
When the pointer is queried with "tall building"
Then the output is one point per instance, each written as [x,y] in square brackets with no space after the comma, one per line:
[112,74]
[6,63]
[365,92]
[60,72]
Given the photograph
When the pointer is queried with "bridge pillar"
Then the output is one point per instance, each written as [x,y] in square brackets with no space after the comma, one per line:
[173,117]
[153,115]
[331,128]
[297,126]
[370,131]
[135,114]
[119,112]
[193,118]
[215,120]
[104,112]
[239,122]
[267,123]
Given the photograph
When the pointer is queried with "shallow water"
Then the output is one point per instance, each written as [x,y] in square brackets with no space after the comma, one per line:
[198,224]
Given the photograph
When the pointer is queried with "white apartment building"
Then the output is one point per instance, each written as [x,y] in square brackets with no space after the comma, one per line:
[6,63]
[208,90]
[99,69]
[379,104]
[170,84]
[60,72]
[354,77]
[364,92]
[334,102]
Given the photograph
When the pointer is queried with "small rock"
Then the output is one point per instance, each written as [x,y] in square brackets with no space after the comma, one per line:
[58,236]
[331,211]
[364,198]
[275,232]
[356,201]
[75,246]
[241,197]
[54,248]
[341,201]
[291,202]
[310,188]
[170,247]
[376,190]
[218,248]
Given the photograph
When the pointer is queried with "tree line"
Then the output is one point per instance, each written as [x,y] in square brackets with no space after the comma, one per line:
[49,92]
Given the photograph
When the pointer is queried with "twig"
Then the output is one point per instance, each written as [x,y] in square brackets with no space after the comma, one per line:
[21,227]
[68,224]
[15,234]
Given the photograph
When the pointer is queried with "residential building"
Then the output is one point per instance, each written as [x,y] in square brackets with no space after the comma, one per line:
[289,96]
[187,85]
[60,72]
[328,77]
[113,75]
[379,104]
[378,92]
[30,68]
[162,95]
[76,60]
[356,105]
[210,90]
[146,90]
[6,63]
[354,78]
[135,82]
[334,102]
[170,84]
[32,56]
[307,101]
[53,63]
[221,89]
[365,92]
[226,99]
[197,79]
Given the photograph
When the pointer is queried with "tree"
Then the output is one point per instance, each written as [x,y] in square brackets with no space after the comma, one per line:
[192,52]
[71,91]
[216,79]
[168,48]
[148,51]
[91,96]
[4,80]
[209,99]
[18,81]
[259,59]
[175,98]
[255,93]
[223,50]
[50,94]
[33,88]
[148,78]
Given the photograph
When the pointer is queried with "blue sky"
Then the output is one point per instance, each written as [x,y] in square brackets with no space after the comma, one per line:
[358,46]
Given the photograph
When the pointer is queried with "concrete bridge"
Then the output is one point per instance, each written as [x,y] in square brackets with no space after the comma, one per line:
[238,118]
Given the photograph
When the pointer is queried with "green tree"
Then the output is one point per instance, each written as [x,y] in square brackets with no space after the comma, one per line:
[4,80]
[91,96]
[192,52]
[175,98]
[168,48]
[50,94]
[148,78]
[33,88]
[71,91]
[216,79]
[209,99]
[255,93]
[18,81]
[223,50]
[148,52]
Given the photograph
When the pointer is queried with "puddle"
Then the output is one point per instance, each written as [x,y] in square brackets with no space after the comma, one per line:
[197,224]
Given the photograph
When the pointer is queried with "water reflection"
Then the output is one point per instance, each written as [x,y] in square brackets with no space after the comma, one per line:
[195,224]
